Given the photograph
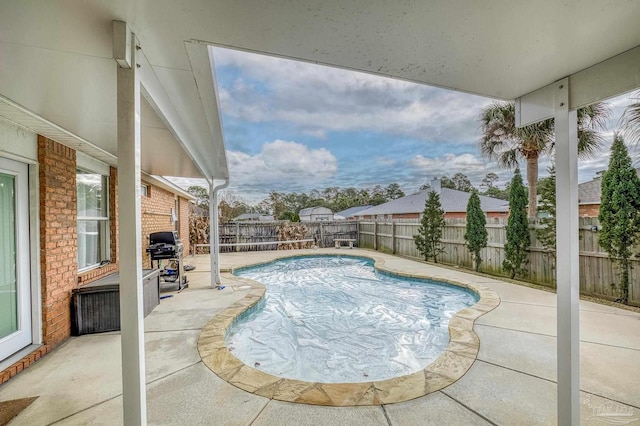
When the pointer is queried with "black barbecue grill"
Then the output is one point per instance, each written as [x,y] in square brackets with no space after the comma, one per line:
[167,246]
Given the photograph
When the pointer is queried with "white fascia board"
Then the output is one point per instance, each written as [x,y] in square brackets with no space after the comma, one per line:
[154,93]
[32,122]
[167,185]
[203,70]
[607,79]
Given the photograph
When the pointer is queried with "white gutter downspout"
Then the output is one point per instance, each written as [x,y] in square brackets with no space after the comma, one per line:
[214,236]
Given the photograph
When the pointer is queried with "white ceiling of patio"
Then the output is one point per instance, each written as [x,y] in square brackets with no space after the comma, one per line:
[56,56]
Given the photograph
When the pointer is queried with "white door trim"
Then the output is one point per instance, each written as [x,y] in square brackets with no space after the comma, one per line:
[23,337]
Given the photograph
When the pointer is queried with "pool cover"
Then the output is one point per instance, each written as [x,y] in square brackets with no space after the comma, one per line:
[335,319]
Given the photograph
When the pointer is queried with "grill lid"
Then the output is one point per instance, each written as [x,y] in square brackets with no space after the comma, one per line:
[165,237]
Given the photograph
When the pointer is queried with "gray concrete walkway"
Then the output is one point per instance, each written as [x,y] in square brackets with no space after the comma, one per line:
[512,382]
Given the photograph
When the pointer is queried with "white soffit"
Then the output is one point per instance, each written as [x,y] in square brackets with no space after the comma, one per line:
[56,56]
[161,152]
[36,124]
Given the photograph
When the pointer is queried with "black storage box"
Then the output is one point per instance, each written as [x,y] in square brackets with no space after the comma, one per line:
[95,307]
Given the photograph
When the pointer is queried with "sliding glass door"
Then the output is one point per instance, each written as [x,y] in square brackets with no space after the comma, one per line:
[15,294]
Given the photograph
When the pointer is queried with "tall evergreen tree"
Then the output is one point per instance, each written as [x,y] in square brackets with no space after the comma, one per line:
[546,229]
[619,216]
[546,232]
[431,226]
[476,232]
[518,238]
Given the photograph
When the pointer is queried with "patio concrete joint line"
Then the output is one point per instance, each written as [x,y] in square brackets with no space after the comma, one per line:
[637,407]
[172,373]
[515,329]
[517,371]
[259,413]
[386,415]
[469,408]
[83,410]
[449,367]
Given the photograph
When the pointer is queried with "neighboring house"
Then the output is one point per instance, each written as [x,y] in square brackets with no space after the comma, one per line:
[589,194]
[349,214]
[454,204]
[314,214]
[252,217]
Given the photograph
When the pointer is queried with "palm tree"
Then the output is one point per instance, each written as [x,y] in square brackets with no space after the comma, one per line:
[505,143]
[631,121]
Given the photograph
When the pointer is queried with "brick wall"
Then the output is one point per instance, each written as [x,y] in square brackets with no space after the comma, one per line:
[113,213]
[156,216]
[588,210]
[22,364]
[406,216]
[58,237]
[58,246]
[58,240]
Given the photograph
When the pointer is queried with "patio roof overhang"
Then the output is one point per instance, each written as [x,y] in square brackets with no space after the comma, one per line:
[58,78]
[57,61]
[57,57]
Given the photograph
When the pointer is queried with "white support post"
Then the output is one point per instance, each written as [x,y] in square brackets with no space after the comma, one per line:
[214,232]
[129,239]
[567,252]
[215,243]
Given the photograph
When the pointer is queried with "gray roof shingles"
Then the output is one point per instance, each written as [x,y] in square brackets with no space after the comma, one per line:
[451,200]
[591,191]
[352,211]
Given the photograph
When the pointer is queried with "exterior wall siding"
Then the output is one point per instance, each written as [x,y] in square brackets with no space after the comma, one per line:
[156,217]
[58,240]
[58,237]
[589,210]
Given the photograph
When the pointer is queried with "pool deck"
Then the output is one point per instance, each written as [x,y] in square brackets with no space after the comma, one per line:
[512,381]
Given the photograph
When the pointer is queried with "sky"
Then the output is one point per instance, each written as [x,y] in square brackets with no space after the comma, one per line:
[292,126]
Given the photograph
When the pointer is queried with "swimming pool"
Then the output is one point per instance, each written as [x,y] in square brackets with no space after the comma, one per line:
[335,319]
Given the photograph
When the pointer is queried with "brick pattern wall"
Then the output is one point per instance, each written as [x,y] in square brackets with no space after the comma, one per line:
[589,210]
[58,246]
[156,216]
[58,237]
[25,362]
[113,213]
[58,240]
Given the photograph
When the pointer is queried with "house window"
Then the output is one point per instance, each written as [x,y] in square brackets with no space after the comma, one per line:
[144,190]
[93,219]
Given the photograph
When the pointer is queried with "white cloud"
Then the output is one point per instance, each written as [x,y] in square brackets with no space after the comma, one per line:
[449,162]
[385,161]
[283,163]
[318,99]
[473,167]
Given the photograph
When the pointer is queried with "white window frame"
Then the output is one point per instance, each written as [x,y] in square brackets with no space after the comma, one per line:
[103,221]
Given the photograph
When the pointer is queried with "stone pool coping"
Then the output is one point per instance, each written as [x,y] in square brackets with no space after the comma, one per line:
[449,367]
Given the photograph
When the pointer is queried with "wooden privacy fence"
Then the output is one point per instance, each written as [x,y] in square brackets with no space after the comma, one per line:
[239,236]
[598,274]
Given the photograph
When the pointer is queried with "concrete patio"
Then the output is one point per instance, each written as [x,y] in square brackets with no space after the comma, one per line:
[511,382]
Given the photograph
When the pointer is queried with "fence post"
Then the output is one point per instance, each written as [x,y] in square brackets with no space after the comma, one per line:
[393,237]
[321,235]
[237,235]
[375,235]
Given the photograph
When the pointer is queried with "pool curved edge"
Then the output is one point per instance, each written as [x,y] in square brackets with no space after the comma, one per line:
[449,367]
